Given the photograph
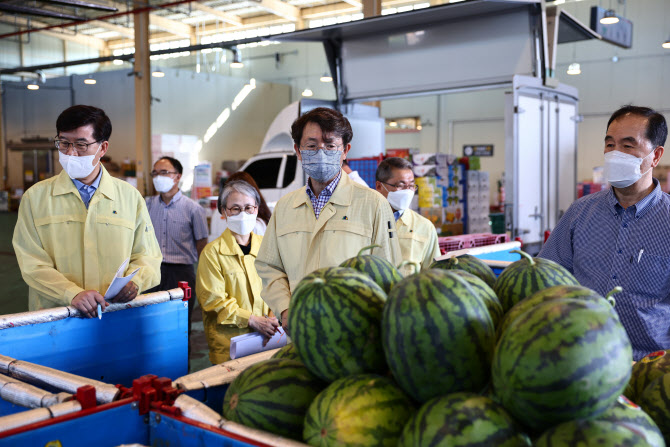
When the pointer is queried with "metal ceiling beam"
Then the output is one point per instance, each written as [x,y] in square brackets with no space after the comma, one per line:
[83,4]
[124,31]
[15,9]
[81,39]
[225,16]
[172,26]
[277,7]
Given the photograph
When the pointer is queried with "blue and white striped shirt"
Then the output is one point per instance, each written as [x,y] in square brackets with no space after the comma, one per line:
[178,225]
[605,245]
[319,202]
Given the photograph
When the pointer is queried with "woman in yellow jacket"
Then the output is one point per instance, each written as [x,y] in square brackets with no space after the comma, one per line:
[227,285]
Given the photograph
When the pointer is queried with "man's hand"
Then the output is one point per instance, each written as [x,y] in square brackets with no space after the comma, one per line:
[128,293]
[264,326]
[284,320]
[87,302]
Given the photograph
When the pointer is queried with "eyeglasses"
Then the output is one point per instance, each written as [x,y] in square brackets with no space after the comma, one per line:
[162,173]
[249,209]
[314,147]
[403,185]
[80,147]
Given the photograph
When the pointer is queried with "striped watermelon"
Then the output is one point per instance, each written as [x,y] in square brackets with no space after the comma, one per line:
[359,410]
[561,360]
[626,413]
[655,401]
[551,293]
[272,395]
[469,264]
[590,433]
[645,371]
[287,352]
[437,334]
[379,269]
[462,419]
[335,321]
[527,276]
[486,293]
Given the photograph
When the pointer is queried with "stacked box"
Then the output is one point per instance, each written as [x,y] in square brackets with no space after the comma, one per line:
[477,203]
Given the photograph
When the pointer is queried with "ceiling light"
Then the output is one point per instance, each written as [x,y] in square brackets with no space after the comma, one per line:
[90,81]
[33,87]
[307,92]
[237,60]
[158,74]
[393,124]
[419,127]
[609,18]
[326,78]
[666,44]
[574,69]
[117,62]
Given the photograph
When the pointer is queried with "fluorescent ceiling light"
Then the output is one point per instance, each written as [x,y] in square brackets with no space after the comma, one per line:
[574,69]
[609,18]
[307,92]
[90,81]
[158,74]
[326,78]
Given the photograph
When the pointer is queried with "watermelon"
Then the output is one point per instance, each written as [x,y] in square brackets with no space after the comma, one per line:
[645,371]
[590,433]
[379,269]
[469,264]
[551,293]
[655,401]
[486,293]
[527,276]
[437,334]
[626,413]
[335,322]
[287,352]
[561,360]
[462,419]
[359,410]
[272,395]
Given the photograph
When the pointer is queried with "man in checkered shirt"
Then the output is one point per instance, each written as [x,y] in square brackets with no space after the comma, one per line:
[621,236]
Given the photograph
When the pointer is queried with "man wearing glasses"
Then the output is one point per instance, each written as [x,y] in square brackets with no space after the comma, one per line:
[327,221]
[416,234]
[180,225]
[74,230]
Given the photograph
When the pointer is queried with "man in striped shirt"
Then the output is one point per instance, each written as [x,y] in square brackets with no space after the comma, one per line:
[180,225]
[621,236]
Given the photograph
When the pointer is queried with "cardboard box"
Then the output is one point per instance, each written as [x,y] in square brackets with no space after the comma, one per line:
[451,229]
[429,170]
[424,159]
[433,214]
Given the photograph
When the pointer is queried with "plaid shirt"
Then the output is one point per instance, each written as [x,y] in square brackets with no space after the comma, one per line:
[319,202]
[605,245]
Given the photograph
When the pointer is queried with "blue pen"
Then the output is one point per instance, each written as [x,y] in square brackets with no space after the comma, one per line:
[99,312]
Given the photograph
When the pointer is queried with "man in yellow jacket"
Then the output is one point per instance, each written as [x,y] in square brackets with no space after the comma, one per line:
[416,234]
[74,230]
[328,220]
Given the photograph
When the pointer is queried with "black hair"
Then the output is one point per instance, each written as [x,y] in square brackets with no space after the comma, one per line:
[174,162]
[78,116]
[329,120]
[386,167]
[657,128]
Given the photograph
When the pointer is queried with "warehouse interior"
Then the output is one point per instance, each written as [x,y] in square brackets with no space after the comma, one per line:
[206,81]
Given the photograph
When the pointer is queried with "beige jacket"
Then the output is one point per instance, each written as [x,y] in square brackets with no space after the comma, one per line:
[418,240]
[296,243]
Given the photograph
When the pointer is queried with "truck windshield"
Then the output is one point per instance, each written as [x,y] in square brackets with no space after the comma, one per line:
[265,171]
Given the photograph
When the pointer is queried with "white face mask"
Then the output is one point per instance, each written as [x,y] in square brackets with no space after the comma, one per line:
[400,200]
[242,224]
[163,183]
[78,167]
[622,170]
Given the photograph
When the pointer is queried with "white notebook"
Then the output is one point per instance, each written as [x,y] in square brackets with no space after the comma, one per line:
[252,343]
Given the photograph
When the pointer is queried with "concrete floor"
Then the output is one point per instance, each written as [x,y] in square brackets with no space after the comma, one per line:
[15,298]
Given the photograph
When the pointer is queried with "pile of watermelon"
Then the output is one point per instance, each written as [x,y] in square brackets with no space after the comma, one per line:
[451,357]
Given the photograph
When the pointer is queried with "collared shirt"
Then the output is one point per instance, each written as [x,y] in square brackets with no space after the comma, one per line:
[417,238]
[178,224]
[605,245]
[319,202]
[87,191]
[397,215]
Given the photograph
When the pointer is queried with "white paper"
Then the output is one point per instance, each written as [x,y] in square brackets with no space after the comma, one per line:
[119,281]
[252,343]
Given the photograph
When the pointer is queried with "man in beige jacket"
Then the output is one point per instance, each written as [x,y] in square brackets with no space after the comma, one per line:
[328,220]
